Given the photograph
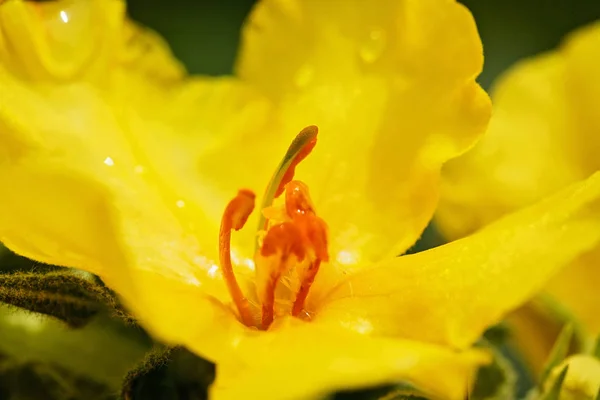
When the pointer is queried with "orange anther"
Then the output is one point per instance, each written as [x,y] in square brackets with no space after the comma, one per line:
[297,199]
[284,239]
[299,208]
[235,216]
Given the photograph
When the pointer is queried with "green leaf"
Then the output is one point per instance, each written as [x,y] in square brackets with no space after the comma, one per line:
[559,352]
[383,392]
[60,294]
[554,392]
[169,373]
[596,349]
[104,350]
[497,335]
[40,380]
[497,380]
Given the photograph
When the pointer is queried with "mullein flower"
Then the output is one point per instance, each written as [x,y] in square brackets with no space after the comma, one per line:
[118,163]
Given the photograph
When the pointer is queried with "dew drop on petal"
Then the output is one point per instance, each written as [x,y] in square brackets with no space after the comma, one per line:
[64,16]
[347,257]
[373,46]
[109,161]
[70,30]
[213,270]
[180,203]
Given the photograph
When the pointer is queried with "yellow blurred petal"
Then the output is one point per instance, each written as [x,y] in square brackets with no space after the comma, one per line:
[505,171]
[56,217]
[60,39]
[450,294]
[583,378]
[583,91]
[550,101]
[391,86]
[45,157]
[97,166]
[296,360]
[534,329]
[577,288]
[147,54]
[78,198]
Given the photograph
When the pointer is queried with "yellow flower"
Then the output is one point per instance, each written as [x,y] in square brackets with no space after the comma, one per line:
[116,162]
[544,135]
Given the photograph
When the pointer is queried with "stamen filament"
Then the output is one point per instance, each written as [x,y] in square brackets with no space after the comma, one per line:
[307,282]
[235,216]
[268,305]
[282,241]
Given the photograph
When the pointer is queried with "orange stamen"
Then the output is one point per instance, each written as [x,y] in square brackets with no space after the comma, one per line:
[235,216]
[299,207]
[305,231]
[307,282]
[268,305]
[283,240]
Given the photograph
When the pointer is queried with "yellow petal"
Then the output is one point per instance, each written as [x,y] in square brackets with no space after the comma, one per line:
[119,185]
[391,86]
[53,222]
[504,171]
[583,91]
[551,101]
[78,199]
[450,294]
[145,53]
[577,288]
[534,329]
[582,381]
[59,39]
[297,360]
[46,158]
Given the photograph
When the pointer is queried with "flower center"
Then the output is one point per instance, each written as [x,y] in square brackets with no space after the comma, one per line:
[292,239]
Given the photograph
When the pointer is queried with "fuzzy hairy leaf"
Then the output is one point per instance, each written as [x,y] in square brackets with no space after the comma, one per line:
[169,373]
[60,294]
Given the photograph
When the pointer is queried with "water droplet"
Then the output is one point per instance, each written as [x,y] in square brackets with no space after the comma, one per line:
[109,161]
[347,257]
[70,35]
[64,16]
[373,46]
[180,203]
[213,270]
[304,75]
[139,169]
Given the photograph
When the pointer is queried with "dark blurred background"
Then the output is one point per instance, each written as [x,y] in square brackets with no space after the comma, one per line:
[204,33]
